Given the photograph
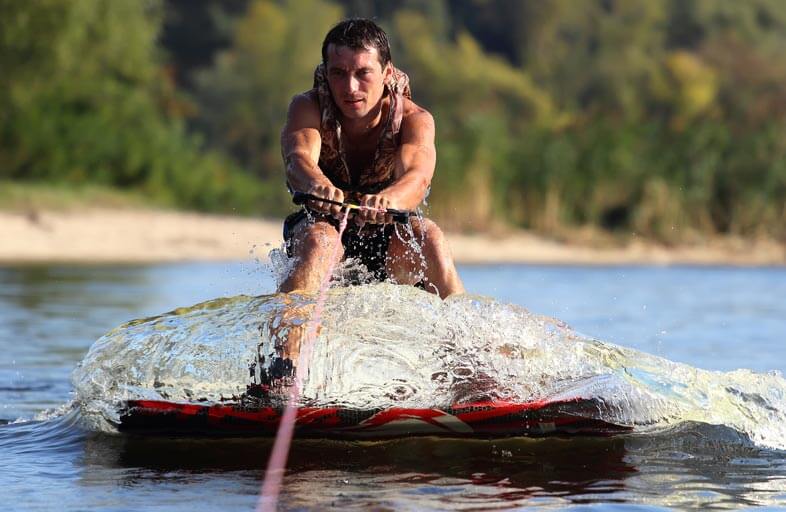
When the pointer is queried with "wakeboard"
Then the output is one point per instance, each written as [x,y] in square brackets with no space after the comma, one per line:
[541,418]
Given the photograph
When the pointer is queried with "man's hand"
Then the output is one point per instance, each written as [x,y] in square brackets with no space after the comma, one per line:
[377,203]
[326,191]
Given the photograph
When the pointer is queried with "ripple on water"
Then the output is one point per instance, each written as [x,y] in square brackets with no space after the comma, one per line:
[51,435]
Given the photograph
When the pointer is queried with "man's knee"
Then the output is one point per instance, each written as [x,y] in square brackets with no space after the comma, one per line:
[314,237]
[410,250]
[312,246]
[429,235]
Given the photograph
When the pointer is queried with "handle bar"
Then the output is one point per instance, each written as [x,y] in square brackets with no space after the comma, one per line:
[400,216]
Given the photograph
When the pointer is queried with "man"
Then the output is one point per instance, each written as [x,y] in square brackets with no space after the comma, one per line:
[358,137]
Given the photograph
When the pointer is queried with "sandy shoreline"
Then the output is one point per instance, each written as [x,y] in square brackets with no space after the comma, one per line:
[150,236]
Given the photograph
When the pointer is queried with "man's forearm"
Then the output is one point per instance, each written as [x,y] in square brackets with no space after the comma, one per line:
[303,174]
[407,192]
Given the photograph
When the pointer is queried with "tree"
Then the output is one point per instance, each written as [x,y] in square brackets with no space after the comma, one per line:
[85,99]
[243,98]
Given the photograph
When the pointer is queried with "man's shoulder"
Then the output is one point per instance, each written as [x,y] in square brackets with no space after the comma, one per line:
[302,113]
[414,113]
[305,99]
[304,110]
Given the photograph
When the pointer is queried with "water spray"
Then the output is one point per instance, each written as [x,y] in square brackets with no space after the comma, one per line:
[274,474]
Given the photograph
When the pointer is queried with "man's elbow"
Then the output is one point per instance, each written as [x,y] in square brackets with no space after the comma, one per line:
[421,184]
[424,183]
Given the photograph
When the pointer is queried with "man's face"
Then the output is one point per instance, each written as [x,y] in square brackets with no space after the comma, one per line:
[356,79]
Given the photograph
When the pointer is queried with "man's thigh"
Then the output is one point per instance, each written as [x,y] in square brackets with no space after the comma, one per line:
[408,249]
[306,233]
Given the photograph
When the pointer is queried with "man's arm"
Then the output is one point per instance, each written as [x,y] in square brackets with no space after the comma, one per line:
[300,147]
[415,164]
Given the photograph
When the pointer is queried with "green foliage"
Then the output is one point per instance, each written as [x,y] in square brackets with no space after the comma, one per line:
[30,197]
[243,98]
[665,118]
[85,100]
[670,114]
[482,105]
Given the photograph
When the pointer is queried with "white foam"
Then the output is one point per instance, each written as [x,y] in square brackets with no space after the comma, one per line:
[383,345]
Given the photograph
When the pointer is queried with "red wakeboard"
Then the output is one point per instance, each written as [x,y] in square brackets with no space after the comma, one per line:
[574,416]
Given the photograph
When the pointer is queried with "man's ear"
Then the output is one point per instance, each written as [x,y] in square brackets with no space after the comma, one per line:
[387,72]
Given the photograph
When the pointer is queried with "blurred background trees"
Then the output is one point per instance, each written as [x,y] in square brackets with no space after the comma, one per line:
[663,118]
[86,98]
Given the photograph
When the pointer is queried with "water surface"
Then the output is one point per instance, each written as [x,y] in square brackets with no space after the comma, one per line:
[719,319]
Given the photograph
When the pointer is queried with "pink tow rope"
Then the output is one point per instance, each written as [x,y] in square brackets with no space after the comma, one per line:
[274,473]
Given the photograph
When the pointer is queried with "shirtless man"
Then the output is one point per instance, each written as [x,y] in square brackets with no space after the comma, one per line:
[358,137]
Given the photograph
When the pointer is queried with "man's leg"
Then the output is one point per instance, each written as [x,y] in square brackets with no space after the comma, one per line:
[424,252]
[313,244]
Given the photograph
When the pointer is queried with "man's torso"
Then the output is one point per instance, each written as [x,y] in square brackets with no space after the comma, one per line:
[363,163]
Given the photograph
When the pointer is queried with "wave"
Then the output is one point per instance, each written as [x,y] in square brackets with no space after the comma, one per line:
[384,345]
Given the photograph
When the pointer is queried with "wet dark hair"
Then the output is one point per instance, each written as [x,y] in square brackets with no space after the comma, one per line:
[358,34]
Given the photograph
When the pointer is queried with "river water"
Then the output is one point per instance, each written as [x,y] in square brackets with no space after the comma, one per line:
[720,446]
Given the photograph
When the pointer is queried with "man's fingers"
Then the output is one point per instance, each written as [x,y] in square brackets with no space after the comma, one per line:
[367,212]
[337,196]
[375,208]
[379,216]
[326,196]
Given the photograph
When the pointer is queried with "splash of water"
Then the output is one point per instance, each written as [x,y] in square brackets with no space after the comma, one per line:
[278,457]
[352,271]
[385,345]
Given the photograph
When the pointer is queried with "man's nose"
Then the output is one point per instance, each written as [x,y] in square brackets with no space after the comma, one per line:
[354,84]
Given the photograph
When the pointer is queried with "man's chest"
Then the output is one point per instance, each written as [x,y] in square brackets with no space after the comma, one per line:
[360,152]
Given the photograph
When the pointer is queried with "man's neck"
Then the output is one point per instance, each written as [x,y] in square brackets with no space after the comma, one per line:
[365,124]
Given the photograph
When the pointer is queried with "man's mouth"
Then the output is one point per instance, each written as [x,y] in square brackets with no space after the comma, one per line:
[354,101]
